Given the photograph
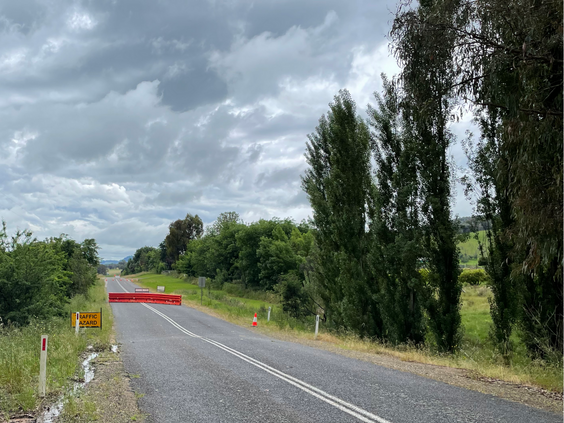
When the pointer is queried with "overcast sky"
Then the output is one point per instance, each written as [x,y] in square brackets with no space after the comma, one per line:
[117,117]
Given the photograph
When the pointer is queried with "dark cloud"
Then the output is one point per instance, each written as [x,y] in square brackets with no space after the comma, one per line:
[117,117]
[192,89]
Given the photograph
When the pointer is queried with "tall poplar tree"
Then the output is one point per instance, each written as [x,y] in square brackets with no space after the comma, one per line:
[427,79]
[397,244]
[339,186]
[506,61]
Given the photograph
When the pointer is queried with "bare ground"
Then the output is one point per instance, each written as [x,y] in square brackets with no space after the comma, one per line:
[108,398]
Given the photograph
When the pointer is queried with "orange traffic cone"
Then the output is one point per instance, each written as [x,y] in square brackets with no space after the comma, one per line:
[255,320]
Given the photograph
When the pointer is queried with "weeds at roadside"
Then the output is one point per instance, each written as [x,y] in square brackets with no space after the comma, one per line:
[19,354]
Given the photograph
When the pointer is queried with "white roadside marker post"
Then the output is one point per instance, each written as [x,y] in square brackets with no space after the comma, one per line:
[77,323]
[43,366]
[316,325]
[268,319]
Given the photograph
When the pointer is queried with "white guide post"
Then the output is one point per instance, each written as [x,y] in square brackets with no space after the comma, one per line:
[43,366]
[268,319]
[77,323]
[316,325]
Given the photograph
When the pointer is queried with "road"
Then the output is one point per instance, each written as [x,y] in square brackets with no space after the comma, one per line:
[193,367]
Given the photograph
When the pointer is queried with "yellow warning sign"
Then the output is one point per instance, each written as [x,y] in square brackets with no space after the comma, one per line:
[88,319]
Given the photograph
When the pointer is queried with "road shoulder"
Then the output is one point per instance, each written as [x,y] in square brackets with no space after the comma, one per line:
[108,397]
[528,395]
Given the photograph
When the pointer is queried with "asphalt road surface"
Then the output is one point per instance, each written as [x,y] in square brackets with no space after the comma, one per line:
[196,368]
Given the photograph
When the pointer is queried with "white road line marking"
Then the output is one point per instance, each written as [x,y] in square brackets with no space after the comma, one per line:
[349,408]
[121,286]
[352,409]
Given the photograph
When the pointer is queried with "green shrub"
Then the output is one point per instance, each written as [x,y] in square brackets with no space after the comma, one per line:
[474,277]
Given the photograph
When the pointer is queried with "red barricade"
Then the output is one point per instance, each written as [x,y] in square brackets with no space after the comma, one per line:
[137,297]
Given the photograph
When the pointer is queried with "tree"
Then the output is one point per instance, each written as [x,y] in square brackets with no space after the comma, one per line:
[154,263]
[223,250]
[427,80]
[223,220]
[339,188]
[488,164]
[294,299]
[181,232]
[83,274]
[276,258]
[89,250]
[81,260]
[248,243]
[397,233]
[33,282]
[506,64]
[145,259]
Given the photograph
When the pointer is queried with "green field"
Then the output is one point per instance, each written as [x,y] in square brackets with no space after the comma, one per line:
[113,272]
[469,250]
[475,313]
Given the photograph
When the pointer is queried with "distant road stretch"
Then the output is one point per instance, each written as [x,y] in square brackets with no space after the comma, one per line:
[192,367]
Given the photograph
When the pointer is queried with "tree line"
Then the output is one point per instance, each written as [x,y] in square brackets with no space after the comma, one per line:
[37,278]
[265,255]
[379,256]
[381,189]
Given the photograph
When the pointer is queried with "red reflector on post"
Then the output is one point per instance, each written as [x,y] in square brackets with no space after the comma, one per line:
[43,345]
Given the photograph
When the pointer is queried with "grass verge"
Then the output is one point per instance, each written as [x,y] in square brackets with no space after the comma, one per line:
[20,349]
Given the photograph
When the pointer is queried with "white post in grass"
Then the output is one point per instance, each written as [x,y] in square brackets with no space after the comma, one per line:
[316,325]
[268,319]
[77,323]
[43,366]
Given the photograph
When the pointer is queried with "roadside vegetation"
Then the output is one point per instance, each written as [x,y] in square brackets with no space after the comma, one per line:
[19,353]
[41,282]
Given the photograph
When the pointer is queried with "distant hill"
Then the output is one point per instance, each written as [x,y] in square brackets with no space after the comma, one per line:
[470,224]
[115,261]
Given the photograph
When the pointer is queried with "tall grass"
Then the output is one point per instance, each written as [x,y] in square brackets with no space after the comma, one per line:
[20,350]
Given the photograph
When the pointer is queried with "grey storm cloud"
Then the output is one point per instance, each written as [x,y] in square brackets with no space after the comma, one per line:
[117,117]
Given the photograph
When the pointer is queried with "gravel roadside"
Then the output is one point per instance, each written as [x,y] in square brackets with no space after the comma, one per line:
[107,398]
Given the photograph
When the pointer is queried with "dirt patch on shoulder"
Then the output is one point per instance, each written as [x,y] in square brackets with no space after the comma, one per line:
[108,398]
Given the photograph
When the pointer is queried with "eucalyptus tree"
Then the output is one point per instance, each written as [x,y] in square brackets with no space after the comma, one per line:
[181,232]
[506,61]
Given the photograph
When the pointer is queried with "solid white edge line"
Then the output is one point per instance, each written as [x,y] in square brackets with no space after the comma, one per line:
[352,409]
